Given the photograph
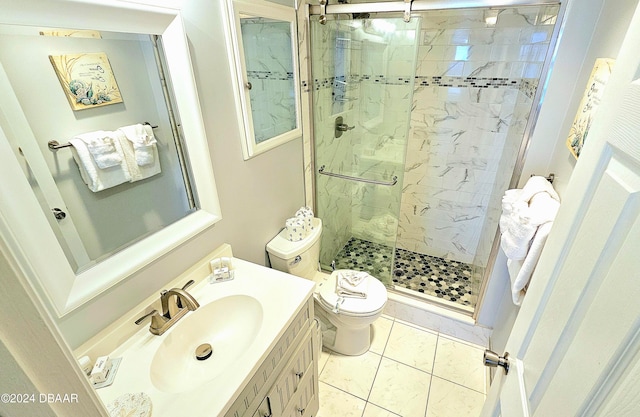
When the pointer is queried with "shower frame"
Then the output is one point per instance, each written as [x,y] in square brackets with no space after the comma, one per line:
[406,7]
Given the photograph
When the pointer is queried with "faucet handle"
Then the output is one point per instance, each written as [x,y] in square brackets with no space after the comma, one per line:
[188,284]
[149,314]
[157,321]
[184,287]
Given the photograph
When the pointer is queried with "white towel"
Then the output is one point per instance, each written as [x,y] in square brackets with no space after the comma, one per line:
[521,218]
[143,142]
[306,214]
[101,146]
[520,271]
[295,229]
[352,283]
[98,179]
[527,217]
[138,172]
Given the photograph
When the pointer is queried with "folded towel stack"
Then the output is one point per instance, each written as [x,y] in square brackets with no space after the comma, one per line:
[106,159]
[527,217]
[101,160]
[299,226]
[141,151]
[352,283]
[101,146]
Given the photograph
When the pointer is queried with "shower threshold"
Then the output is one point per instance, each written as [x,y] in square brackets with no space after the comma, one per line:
[429,278]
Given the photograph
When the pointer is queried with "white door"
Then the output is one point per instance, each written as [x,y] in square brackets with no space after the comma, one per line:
[575,346]
[18,135]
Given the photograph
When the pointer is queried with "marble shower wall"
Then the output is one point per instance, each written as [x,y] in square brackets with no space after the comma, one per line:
[355,69]
[387,82]
[472,99]
[333,195]
[465,87]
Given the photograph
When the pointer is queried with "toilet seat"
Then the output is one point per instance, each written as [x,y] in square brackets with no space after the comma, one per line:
[375,301]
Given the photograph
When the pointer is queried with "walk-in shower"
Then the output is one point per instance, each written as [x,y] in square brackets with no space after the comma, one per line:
[419,126]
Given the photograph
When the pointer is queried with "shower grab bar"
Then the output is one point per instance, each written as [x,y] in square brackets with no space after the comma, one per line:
[394,179]
[54,145]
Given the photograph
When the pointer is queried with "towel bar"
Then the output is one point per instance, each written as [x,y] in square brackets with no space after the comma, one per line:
[549,178]
[54,145]
[394,179]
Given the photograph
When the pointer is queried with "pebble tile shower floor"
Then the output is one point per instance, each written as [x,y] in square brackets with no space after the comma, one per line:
[438,277]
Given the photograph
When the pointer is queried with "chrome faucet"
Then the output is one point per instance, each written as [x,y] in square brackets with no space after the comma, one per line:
[175,303]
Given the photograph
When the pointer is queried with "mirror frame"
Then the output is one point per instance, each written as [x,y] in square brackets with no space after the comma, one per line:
[23,224]
[238,66]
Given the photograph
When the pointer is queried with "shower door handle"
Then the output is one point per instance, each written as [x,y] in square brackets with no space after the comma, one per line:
[343,127]
[340,127]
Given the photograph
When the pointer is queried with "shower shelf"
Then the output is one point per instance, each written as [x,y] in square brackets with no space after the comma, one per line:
[394,179]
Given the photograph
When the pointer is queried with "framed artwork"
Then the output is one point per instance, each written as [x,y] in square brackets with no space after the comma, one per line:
[87,79]
[72,33]
[589,105]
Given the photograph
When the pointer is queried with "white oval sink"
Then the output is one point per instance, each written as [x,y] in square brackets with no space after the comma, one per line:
[229,325]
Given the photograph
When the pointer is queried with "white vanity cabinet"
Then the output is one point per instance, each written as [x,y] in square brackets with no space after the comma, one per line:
[286,383]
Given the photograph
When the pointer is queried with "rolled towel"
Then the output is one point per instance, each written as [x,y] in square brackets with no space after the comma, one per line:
[306,214]
[102,147]
[296,230]
[352,284]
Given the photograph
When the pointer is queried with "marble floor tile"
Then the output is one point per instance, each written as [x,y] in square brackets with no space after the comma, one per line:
[380,334]
[447,399]
[353,374]
[372,410]
[412,346]
[334,402]
[400,389]
[462,363]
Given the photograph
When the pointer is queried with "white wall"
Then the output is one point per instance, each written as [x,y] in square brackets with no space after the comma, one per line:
[593,29]
[256,196]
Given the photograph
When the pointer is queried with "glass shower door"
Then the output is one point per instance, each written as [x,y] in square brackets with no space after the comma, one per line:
[363,71]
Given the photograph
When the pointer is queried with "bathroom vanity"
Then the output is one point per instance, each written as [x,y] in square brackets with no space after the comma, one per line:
[265,345]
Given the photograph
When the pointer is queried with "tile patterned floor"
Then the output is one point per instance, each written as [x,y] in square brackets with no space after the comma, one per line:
[408,372]
[438,277]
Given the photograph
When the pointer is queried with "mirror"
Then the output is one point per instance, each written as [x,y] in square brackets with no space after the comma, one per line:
[155,214]
[92,223]
[262,41]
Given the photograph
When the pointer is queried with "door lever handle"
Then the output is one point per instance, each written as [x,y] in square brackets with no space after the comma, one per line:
[493,360]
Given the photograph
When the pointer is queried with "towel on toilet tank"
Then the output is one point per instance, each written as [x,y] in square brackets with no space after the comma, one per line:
[296,229]
[352,283]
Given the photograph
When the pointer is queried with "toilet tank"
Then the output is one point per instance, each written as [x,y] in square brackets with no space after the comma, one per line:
[297,258]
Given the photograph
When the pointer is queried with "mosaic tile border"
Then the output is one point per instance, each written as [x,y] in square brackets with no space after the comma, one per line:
[270,75]
[438,277]
[527,85]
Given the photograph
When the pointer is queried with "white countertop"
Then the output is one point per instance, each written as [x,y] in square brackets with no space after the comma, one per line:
[282,296]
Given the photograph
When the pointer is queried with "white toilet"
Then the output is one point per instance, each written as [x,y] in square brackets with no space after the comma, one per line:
[346,321]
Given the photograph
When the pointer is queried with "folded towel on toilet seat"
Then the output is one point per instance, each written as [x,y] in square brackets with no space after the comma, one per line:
[352,283]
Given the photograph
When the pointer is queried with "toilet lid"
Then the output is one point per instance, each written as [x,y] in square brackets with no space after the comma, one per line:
[376,296]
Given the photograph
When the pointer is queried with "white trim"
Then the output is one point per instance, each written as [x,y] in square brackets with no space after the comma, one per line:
[32,342]
[234,8]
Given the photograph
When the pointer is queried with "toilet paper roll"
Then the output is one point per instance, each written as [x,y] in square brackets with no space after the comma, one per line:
[306,214]
[295,229]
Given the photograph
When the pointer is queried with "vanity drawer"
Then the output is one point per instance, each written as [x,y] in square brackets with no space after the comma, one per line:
[305,401]
[251,396]
[293,375]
